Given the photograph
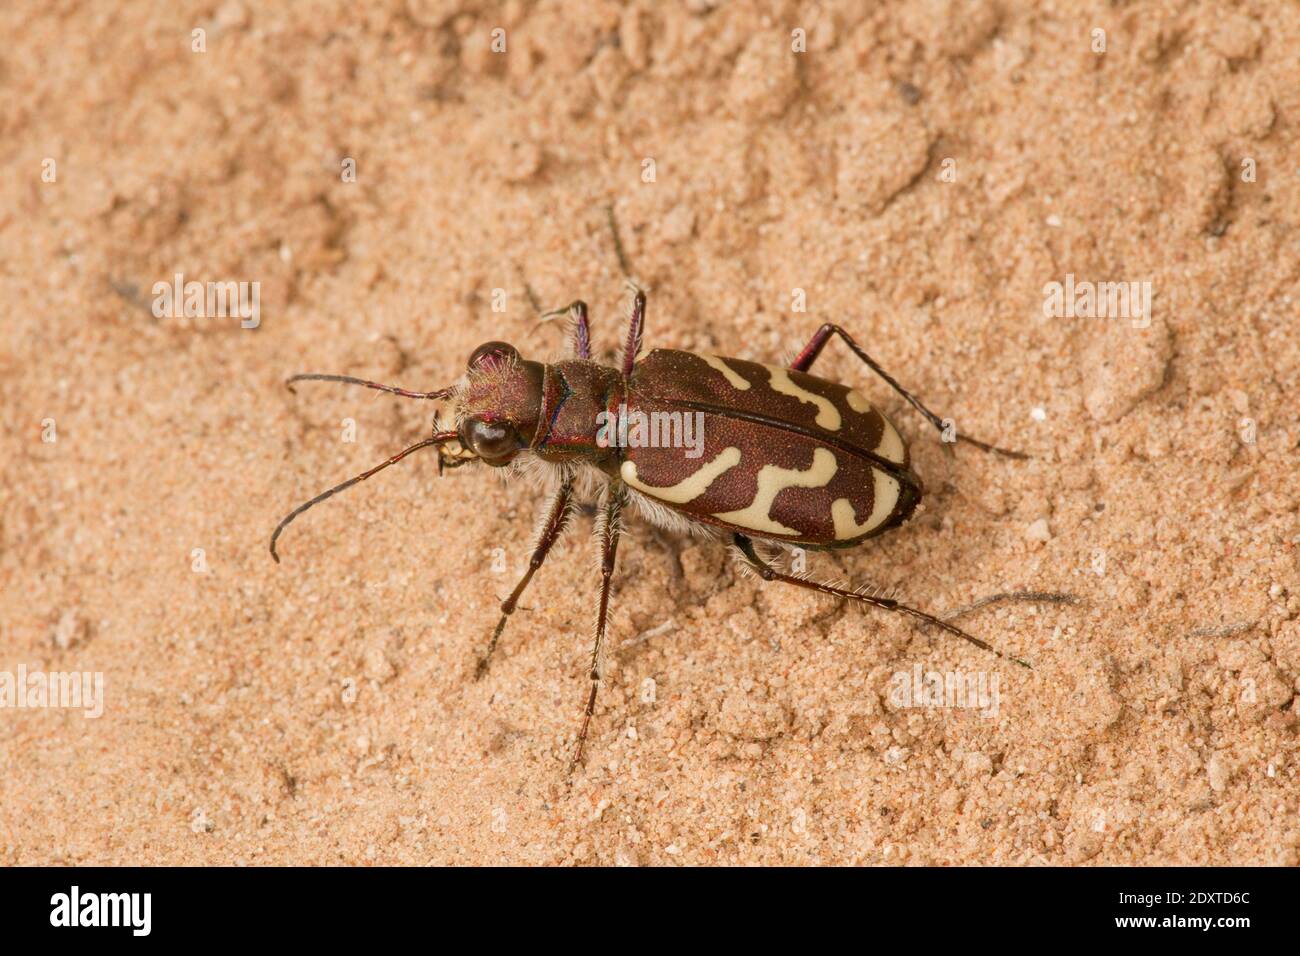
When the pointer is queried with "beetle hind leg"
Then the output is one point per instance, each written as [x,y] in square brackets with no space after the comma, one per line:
[1027,597]
[805,359]
[769,573]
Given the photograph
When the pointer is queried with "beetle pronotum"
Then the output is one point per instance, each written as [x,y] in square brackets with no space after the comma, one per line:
[787,457]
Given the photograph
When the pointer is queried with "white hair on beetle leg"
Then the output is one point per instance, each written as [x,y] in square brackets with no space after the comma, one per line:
[744,566]
[588,480]
[543,519]
[878,592]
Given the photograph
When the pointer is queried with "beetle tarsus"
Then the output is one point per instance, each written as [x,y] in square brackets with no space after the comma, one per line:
[769,573]
[576,759]
[481,669]
[994,449]
[623,264]
[1030,597]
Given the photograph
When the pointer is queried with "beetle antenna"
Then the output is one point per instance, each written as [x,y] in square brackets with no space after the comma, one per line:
[349,380]
[438,438]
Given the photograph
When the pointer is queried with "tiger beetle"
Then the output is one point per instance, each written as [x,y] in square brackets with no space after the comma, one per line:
[787,458]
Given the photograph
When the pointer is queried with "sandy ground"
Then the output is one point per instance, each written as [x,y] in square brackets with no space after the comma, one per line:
[921,172]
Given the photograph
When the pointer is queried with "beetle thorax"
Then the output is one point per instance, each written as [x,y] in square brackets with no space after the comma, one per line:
[576,395]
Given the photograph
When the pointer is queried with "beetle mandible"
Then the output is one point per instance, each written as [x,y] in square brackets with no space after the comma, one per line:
[787,458]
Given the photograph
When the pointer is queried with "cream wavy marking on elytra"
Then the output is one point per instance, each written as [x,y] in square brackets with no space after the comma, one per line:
[689,488]
[734,379]
[772,480]
[885,498]
[828,416]
[891,446]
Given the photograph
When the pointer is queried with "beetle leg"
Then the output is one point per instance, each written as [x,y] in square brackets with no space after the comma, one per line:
[557,516]
[635,329]
[769,573]
[1030,597]
[580,329]
[618,243]
[823,335]
[607,531]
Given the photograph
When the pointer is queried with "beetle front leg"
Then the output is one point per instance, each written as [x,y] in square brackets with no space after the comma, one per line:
[769,573]
[823,335]
[607,532]
[557,515]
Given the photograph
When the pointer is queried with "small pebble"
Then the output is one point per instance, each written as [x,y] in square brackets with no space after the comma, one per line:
[896,755]
[70,630]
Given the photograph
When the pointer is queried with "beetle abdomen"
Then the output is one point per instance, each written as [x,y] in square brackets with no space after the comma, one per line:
[784,454]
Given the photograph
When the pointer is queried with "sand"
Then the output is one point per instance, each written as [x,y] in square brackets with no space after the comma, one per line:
[919,172]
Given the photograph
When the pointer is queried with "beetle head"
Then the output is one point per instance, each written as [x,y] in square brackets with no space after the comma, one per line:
[499,404]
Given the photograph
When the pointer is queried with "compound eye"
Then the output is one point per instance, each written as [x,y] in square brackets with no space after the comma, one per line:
[494,442]
[493,352]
